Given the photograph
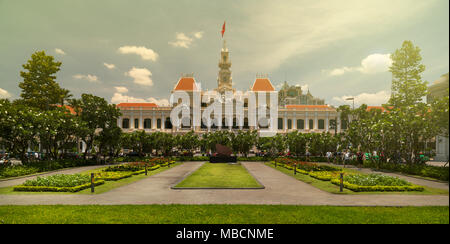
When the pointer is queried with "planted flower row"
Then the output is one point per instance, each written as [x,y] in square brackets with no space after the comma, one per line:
[58,183]
[358,182]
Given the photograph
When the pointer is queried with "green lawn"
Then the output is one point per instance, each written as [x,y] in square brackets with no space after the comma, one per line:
[220,175]
[220,214]
[329,187]
[109,185]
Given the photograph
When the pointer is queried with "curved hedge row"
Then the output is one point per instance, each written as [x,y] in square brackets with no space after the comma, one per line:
[56,189]
[359,188]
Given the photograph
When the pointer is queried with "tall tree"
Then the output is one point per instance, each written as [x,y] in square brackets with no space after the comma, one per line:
[409,115]
[39,86]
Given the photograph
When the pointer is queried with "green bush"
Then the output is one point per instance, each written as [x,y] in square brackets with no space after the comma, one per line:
[56,189]
[358,188]
[14,171]
[436,172]
[59,180]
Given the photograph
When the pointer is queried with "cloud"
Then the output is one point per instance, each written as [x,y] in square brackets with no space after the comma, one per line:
[374,63]
[91,78]
[181,40]
[119,97]
[141,76]
[294,30]
[371,99]
[4,93]
[109,66]
[59,51]
[184,41]
[121,89]
[199,34]
[145,53]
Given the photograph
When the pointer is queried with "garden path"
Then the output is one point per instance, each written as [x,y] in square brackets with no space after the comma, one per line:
[279,189]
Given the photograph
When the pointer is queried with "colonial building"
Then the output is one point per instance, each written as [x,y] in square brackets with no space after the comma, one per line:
[296,111]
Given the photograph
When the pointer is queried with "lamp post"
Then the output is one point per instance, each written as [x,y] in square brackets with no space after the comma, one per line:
[353,99]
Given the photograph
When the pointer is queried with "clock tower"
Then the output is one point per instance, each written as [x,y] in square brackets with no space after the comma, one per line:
[224,80]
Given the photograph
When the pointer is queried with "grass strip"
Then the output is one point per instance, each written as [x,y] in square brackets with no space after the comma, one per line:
[220,214]
[220,175]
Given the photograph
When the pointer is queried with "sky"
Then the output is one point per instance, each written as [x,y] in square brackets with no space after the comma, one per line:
[136,51]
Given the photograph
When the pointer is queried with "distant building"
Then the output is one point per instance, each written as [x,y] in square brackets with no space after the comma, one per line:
[293,95]
[438,89]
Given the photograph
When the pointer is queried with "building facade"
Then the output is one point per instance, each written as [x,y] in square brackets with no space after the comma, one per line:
[296,111]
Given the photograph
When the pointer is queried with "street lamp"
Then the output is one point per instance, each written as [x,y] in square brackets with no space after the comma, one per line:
[352,98]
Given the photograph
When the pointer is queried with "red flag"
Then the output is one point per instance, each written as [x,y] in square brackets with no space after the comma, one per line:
[223,28]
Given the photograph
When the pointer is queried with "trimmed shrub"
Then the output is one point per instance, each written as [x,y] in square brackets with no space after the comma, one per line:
[56,189]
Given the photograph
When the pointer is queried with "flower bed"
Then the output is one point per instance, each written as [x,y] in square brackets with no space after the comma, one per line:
[56,189]
[58,183]
[375,182]
[132,167]
[289,163]
[112,176]
[324,175]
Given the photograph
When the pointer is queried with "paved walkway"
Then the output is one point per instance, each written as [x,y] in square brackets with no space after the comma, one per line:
[280,189]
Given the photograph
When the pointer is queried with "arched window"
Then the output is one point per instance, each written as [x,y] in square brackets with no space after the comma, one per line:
[235,125]
[168,123]
[136,123]
[289,124]
[311,124]
[246,123]
[147,123]
[300,124]
[280,123]
[321,124]
[158,123]
[125,123]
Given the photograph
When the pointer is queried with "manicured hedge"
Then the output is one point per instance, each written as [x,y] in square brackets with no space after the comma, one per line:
[358,188]
[436,172]
[43,166]
[56,189]
[324,175]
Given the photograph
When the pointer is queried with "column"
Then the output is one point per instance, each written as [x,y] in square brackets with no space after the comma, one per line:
[315,121]
[154,121]
[327,122]
[132,120]
[306,123]
[163,121]
[294,123]
[141,120]
[285,121]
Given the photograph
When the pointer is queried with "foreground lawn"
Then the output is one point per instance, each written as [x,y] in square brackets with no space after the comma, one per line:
[109,185]
[329,187]
[220,214]
[220,175]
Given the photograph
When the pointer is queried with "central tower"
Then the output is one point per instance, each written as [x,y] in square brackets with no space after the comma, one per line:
[224,80]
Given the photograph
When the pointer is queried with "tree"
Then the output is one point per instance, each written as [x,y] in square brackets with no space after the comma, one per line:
[98,115]
[19,127]
[39,88]
[409,115]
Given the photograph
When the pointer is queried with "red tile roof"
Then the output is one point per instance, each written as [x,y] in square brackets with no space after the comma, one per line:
[153,105]
[186,84]
[262,84]
[294,106]
[71,110]
[376,107]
